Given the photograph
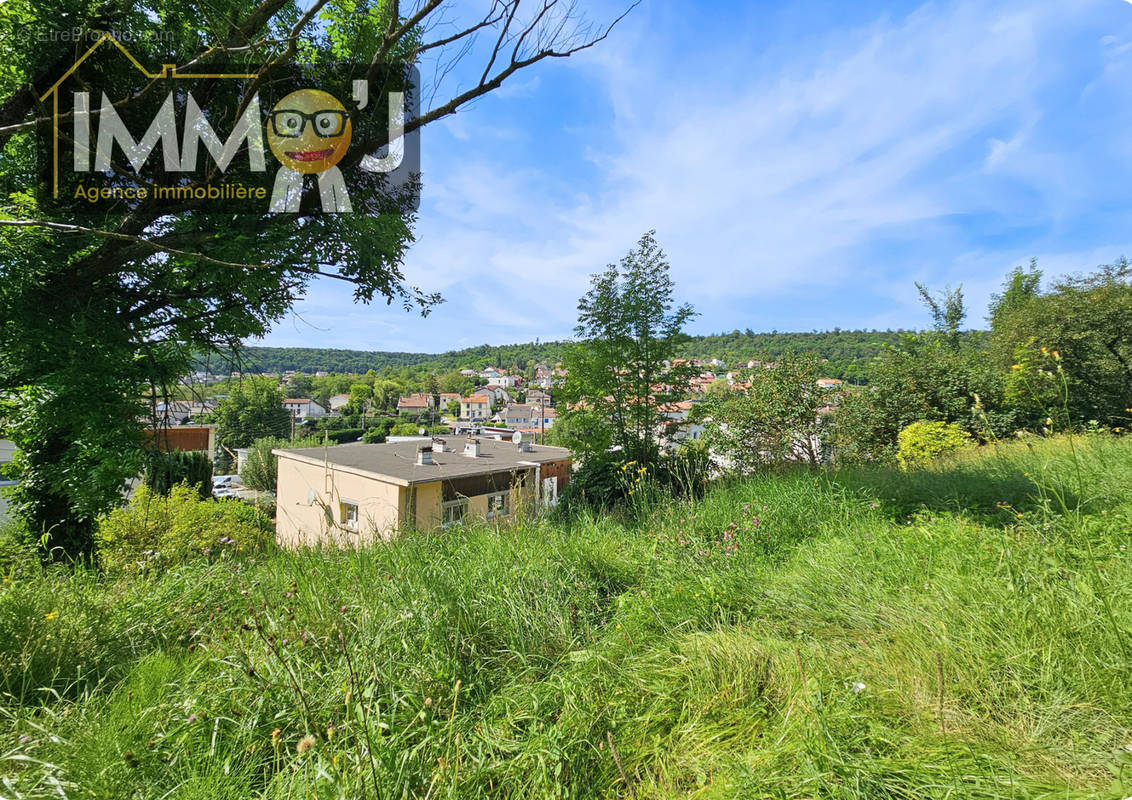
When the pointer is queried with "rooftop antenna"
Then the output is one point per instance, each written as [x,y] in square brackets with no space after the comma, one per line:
[517,437]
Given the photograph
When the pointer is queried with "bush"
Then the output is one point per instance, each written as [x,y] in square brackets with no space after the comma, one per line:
[595,484]
[154,530]
[345,435]
[262,468]
[373,436]
[166,470]
[923,441]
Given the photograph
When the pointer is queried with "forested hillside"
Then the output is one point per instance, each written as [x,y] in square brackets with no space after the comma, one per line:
[849,354]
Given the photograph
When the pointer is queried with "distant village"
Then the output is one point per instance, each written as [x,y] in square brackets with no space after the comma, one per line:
[501,404]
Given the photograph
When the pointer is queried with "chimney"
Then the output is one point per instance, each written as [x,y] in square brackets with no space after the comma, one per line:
[424,455]
[472,448]
[525,445]
[438,445]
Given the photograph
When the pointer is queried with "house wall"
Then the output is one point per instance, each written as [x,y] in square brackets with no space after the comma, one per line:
[381,506]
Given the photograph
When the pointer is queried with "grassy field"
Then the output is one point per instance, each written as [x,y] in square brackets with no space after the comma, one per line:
[963,631]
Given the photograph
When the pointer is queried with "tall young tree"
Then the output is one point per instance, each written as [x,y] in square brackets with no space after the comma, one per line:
[621,370]
[94,313]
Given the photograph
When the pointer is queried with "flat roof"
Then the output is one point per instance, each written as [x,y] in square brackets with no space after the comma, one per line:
[396,462]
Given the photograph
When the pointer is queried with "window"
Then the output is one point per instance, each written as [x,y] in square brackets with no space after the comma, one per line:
[498,504]
[454,512]
[348,514]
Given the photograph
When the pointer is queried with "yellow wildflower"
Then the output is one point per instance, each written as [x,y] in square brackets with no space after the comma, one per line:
[51,615]
[1016,367]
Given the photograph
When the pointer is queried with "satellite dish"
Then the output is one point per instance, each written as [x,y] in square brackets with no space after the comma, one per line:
[517,437]
[422,431]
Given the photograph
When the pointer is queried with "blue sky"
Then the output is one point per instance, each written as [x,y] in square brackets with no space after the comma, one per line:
[802,163]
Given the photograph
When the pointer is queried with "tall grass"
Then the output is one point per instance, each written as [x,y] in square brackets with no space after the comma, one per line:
[873,634]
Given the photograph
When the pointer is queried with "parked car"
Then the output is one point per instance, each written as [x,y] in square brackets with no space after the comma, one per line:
[224,480]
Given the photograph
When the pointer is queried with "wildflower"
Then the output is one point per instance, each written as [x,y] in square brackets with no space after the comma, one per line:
[25,739]
[51,615]
[1057,355]
[193,718]
[305,744]
[858,687]
[1016,367]
[275,736]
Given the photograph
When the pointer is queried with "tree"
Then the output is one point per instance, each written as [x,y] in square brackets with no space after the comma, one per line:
[360,396]
[622,371]
[939,375]
[1020,288]
[776,420]
[261,471]
[166,470]
[301,386]
[1087,321]
[252,410]
[120,306]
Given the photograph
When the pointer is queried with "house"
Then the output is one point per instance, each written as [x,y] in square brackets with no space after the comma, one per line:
[446,398]
[676,427]
[539,397]
[477,406]
[498,394]
[181,412]
[415,403]
[191,438]
[303,407]
[355,494]
[338,402]
[829,383]
[528,418]
[504,380]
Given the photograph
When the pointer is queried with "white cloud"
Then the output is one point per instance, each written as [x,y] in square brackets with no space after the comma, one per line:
[858,144]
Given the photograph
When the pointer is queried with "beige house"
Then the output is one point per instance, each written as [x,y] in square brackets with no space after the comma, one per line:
[354,494]
[477,406]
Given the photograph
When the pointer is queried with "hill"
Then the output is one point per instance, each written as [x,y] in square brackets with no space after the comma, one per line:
[849,354]
[957,632]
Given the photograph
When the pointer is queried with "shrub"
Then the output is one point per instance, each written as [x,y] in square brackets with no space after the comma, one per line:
[166,470]
[262,468]
[345,435]
[925,440]
[373,436]
[596,483]
[155,530]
